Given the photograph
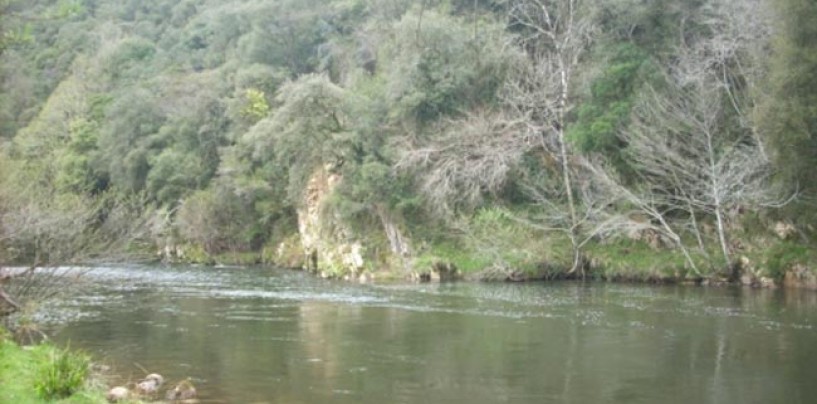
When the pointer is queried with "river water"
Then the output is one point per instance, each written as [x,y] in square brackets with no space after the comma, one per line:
[263,335]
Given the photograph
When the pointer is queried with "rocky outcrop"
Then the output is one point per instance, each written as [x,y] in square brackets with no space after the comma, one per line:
[329,247]
[287,254]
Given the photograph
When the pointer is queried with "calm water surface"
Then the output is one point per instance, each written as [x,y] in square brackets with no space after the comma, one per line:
[275,336]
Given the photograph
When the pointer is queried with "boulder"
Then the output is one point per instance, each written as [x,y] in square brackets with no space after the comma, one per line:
[182,392]
[117,394]
[150,385]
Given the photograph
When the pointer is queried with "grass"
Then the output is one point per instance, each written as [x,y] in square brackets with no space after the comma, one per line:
[490,239]
[785,255]
[635,260]
[195,254]
[61,374]
[465,260]
[44,374]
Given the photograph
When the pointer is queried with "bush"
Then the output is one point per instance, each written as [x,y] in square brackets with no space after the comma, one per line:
[61,374]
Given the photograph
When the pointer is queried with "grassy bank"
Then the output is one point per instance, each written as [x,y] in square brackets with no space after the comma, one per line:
[45,374]
[766,261]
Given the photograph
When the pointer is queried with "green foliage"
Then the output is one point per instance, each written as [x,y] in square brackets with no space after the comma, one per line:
[129,58]
[373,185]
[124,142]
[256,106]
[217,220]
[437,65]
[67,8]
[789,116]
[172,175]
[307,131]
[62,374]
[75,171]
[612,96]
[286,33]
[654,26]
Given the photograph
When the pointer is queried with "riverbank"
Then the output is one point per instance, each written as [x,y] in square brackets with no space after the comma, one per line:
[46,374]
[765,262]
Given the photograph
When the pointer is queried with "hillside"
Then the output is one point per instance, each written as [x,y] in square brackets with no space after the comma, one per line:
[502,139]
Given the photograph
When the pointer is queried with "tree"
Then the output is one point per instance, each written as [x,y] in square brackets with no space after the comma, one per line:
[307,130]
[556,34]
[438,69]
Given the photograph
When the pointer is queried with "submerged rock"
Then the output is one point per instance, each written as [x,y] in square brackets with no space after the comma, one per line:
[183,391]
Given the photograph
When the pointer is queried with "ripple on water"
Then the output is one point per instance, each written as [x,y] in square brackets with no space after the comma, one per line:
[297,296]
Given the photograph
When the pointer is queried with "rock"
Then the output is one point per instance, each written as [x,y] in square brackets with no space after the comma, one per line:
[767,283]
[746,271]
[150,385]
[516,276]
[365,277]
[799,276]
[784,230]
[182,392]
[118,394]
[746,280]
[445,271]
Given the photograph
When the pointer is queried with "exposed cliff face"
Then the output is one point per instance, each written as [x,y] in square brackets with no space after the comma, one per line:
[329,247]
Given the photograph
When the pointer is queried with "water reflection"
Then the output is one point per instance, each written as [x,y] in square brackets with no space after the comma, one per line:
[264,335]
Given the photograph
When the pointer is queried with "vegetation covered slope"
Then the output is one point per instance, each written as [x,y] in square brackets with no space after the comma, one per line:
[543,136]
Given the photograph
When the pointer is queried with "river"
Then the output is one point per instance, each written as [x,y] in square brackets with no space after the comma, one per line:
[261,335]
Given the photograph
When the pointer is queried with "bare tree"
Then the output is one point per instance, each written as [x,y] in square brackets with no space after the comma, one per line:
[471,158]
[683,152]
[624,206]
[732,53]
[557,33]
[51,233]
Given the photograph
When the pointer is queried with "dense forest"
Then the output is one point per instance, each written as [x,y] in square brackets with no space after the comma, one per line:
[513,139]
